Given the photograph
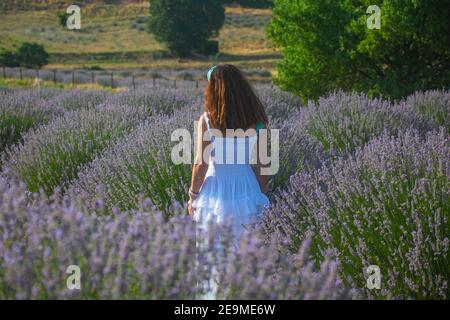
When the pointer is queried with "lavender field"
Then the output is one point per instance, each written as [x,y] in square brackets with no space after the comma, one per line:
[87,180]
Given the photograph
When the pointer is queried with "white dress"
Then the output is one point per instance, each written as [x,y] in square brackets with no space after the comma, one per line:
[230,191]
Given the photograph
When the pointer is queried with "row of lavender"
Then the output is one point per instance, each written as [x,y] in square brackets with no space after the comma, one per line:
[362,182]
[141,255]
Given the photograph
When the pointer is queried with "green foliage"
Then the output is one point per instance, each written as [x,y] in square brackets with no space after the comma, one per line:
[327,45]
[8,59]
[62,17]
[32,55]
[251,3]
[185,26]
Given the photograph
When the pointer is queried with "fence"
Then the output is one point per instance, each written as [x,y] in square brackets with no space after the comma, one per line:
[113,79]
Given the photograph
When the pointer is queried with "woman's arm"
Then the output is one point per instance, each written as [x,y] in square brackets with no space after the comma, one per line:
[200,166]
[263,180]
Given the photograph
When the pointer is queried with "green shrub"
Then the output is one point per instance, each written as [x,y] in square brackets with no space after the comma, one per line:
[186,26]
[328,46]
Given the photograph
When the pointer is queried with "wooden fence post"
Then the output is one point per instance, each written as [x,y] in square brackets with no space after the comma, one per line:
[73,78]
[92,77]
[134,84]
[196,84]
[112,80]
[54,76]
[20,71]
[154,82]
[4,72]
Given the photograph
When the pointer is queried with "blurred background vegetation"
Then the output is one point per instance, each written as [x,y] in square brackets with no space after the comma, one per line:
[114,34]
[308,47]
[327,45]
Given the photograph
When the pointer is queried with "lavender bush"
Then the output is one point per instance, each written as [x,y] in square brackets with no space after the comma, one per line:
[259,271]
[361,182]
[434,104]
[298,151]
[342,122]
[139,165]
[335,126]
[139,255]
[158,100]
[387,205]
[52,154]
[279,105]
[21,110]
[79,99]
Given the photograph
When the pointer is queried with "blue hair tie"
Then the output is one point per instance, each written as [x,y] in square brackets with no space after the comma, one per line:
[210,72]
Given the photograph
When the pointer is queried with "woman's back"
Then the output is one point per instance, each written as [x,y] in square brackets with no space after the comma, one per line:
[224,187]
[230,190]
[231,150]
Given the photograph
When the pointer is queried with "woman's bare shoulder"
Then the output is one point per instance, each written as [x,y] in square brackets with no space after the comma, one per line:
[202,122]
[202,119]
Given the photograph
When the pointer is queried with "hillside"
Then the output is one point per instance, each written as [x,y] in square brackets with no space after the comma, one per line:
[114,35]
[13,5]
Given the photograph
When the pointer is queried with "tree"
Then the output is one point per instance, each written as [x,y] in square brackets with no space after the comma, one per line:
[327,45]
[32,55]
[250,3]
[62,18]
[8,59]
[186,26]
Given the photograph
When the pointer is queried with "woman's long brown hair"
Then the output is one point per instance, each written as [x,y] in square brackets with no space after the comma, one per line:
[231,101]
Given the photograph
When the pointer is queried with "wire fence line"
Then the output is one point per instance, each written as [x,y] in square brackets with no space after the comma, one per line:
[106,78]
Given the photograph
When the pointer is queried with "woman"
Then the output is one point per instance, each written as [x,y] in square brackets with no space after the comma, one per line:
[224,187]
